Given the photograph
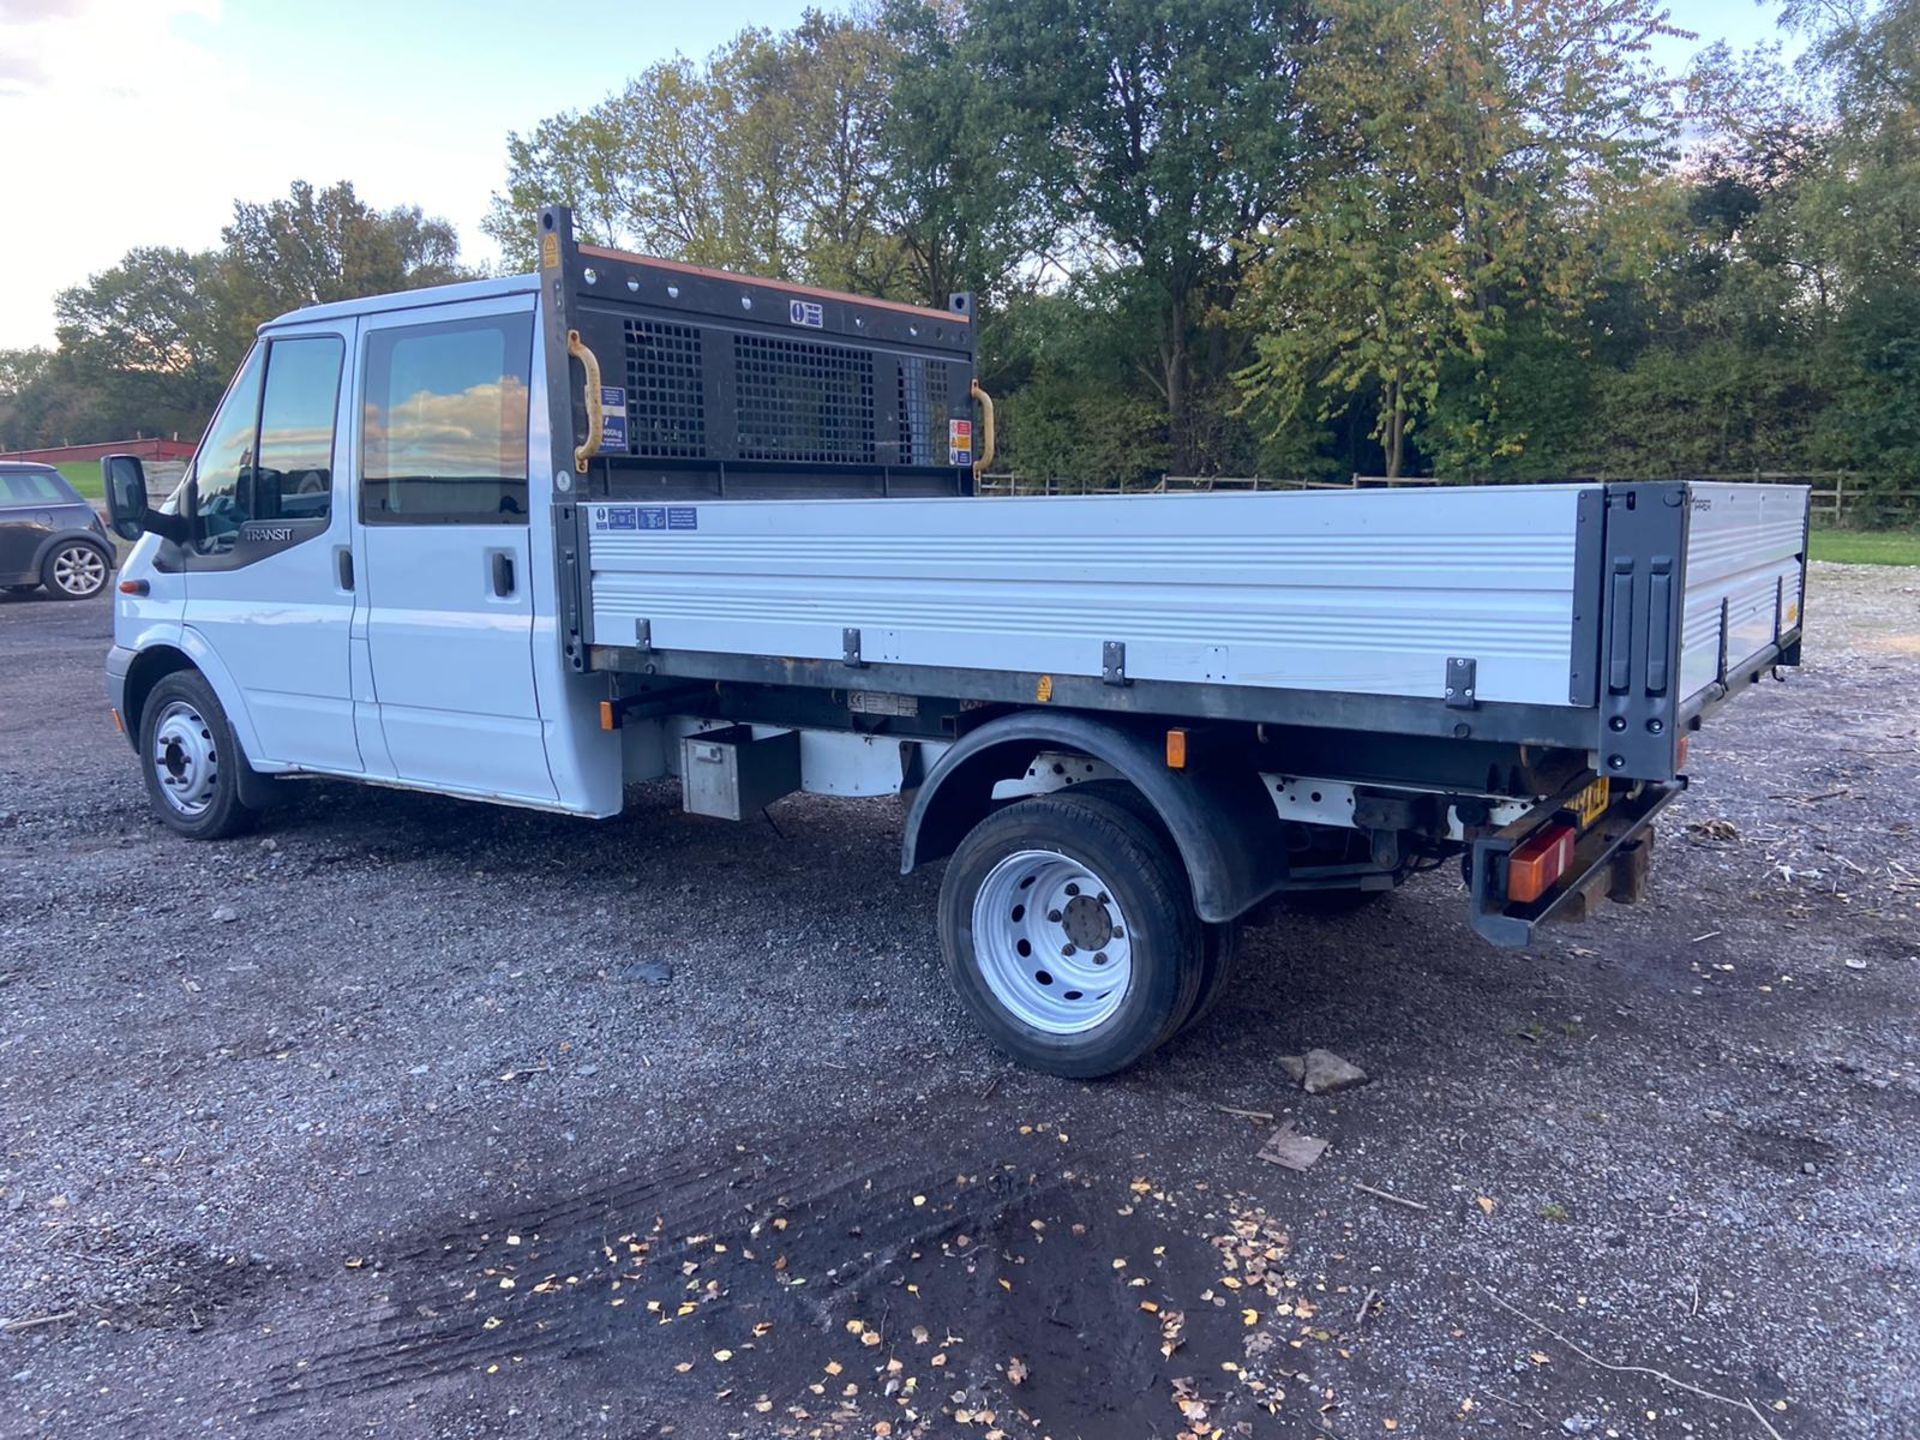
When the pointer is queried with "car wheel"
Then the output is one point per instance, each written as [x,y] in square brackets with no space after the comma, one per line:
[1069,934]
[76,570]
[191,762]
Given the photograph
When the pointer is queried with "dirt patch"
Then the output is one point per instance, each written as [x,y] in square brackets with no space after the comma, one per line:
[274,1170]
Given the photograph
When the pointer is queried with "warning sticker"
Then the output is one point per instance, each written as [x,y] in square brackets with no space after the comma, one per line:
[807,313]
[644,517]
[615,517]
[613,417]
[959,442]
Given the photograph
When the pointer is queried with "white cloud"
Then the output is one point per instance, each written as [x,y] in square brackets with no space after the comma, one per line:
[108,112]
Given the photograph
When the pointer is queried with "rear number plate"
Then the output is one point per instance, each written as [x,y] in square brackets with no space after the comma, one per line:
[1591,803]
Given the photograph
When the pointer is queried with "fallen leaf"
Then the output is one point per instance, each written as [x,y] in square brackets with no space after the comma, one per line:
[684,1366]
[723,1356]
[1249,1317]
[1485,1204]
[1390,1424]
[1016,1370]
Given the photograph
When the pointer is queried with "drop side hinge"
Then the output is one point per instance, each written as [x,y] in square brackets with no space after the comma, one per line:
[1461,683]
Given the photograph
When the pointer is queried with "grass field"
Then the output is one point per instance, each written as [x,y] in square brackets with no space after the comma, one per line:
[1867,547]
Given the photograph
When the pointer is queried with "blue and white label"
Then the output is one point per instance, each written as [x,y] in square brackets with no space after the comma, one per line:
[807,313]
[644,517]
[613,417]
[615,517]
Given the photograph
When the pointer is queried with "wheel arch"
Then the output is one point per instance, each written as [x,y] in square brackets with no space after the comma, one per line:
[146,670]
[1225,830]
[154,662]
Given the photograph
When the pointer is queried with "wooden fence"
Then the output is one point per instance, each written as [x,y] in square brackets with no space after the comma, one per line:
[1840,499]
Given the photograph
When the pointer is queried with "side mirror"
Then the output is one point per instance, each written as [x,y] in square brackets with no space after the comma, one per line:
[125,481]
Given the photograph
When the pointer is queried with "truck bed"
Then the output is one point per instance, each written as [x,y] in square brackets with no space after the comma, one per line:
[1542,614]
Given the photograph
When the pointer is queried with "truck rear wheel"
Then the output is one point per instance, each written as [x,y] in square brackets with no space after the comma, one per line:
[1069,934]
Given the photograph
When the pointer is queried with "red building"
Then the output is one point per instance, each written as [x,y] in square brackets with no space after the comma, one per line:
[145,449]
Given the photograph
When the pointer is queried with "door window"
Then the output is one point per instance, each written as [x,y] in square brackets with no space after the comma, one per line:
[445,423]
[294,477]
[268,455]
[226,454]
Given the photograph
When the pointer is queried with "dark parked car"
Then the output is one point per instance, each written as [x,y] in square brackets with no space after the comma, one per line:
[50,536]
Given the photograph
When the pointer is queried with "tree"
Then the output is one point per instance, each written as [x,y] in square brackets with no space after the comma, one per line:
[318,246]
[1168,134]
[768,157]
[148,345]
[966,211]
[1473,162]
[159,324]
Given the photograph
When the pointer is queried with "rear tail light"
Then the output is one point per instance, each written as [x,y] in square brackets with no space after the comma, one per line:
[1538,861]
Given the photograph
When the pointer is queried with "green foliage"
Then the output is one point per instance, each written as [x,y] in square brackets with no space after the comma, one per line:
[147,346]
[1165,134]
[1470,164]
[1284,237]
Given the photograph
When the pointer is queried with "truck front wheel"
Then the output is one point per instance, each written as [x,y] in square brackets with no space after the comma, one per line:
[193,765]
[1068,932]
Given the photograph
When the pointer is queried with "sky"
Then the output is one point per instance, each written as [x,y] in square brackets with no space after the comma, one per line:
[139,122]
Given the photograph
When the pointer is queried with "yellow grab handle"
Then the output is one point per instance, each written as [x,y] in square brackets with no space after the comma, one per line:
[986,430]
[577,348]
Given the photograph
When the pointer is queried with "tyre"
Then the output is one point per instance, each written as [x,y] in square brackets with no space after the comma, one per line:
[191,762]
[1220,961]
[1220,957]
[1069,934]
[76,570]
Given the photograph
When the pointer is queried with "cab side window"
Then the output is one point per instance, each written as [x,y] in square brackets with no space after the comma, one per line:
[445,423]
[269,453]
[293,479]
[226,455]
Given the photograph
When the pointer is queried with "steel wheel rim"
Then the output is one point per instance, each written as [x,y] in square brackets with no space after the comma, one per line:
[1051,942]
[79,570]
[185,760]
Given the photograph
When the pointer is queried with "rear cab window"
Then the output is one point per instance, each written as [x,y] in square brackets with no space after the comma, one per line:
[444,422]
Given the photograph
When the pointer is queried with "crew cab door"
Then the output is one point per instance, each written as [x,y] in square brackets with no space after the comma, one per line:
[444,529]
[265,585]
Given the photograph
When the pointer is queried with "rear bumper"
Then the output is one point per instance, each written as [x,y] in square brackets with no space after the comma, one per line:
[1510,925]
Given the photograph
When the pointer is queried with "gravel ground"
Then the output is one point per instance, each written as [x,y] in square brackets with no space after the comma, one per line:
[415,1141]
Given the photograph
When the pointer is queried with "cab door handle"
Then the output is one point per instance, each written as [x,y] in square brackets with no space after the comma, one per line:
[502,572]
[343,566]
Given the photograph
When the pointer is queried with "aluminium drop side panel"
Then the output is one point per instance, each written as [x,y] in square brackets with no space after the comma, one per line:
[1365,592]
[1746,553]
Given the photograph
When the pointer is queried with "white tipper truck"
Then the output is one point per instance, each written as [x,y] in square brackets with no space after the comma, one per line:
[533,540]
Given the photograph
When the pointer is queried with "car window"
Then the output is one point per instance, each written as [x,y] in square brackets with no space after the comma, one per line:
[445,423]
[225,457]
[34,487]
[293,478]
